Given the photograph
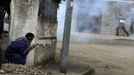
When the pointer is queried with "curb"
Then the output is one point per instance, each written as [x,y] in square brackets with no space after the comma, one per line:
[90,71]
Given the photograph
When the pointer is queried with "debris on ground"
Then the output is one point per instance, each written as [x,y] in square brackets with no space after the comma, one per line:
[2,71]
[21,69]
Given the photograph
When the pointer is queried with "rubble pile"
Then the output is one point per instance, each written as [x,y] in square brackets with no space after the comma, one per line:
[21,69]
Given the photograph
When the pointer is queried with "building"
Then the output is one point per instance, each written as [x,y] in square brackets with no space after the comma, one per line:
[100,16]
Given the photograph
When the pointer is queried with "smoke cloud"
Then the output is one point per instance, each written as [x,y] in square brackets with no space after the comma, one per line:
[61,18]
[85,18]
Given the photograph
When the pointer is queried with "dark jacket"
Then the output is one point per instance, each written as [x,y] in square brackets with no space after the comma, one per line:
[16,51]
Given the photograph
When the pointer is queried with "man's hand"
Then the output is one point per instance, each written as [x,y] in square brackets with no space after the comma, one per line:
[34,46]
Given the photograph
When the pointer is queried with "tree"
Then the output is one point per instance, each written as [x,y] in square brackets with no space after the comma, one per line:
[39,17]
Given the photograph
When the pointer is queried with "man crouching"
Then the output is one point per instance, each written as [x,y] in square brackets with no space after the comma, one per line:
[18,50]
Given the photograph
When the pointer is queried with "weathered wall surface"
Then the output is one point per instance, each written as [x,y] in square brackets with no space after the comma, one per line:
[47,27]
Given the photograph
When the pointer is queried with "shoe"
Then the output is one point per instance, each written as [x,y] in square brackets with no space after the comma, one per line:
[117,34]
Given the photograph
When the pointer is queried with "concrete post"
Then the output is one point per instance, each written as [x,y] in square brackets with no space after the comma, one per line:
[66,39]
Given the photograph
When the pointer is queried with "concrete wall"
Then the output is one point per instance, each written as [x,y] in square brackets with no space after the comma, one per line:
[47,27]
[47,37]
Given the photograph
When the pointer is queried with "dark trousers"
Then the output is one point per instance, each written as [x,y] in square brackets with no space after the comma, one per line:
[123,28]
[15,58]
[132,28]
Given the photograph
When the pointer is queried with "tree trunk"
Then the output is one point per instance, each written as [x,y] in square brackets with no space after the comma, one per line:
[24,16]
[24,19]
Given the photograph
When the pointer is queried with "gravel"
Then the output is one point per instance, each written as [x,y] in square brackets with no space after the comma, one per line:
[21,69]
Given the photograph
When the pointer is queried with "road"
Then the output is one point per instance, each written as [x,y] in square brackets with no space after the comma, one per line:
[106,59]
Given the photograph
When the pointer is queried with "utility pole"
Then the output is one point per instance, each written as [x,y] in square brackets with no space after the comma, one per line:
[66,38]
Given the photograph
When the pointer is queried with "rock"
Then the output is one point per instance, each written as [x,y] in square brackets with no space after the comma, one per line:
[2,71]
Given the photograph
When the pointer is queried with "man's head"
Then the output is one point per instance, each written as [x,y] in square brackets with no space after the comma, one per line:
[29,36]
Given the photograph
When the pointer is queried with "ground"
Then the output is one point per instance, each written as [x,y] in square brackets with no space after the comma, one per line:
[107,54]
[106,59]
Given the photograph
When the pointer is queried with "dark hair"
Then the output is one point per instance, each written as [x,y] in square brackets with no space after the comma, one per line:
[29,36]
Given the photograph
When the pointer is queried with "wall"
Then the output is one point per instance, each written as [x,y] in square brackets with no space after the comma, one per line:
[109,10]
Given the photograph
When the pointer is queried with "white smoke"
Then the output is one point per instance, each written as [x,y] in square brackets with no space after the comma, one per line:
[61,19]
[92,8]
